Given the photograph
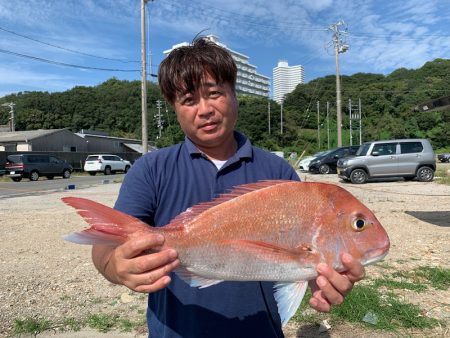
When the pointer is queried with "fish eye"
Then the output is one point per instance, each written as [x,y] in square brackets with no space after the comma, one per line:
[359,224]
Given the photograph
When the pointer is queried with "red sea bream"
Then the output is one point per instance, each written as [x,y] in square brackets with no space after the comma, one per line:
[267,231]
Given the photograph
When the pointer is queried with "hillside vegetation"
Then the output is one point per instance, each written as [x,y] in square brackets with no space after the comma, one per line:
[387,104]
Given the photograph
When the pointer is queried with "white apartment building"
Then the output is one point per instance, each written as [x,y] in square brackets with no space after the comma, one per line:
[285,79]
[248,81]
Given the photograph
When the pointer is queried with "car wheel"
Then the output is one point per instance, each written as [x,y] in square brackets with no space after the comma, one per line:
[108,171]
[358,176]
[425,174]
[50,177]
[16,179]
[92,173]
[126,169]
[66,173]
[34,175]
[324,169]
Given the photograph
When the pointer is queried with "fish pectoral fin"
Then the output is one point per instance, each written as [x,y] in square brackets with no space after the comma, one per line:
[270,251]
[289,297]
[194,280]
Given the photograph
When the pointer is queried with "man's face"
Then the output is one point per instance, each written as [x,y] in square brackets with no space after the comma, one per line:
[208,116]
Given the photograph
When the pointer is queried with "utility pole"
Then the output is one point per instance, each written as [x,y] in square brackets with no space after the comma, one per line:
[12,124]
[360,122]
[144,80]
[339,47]
[281,116]
[158,117]
[356,117]
[268,112]
[350,120]
[318,125]
[328,125]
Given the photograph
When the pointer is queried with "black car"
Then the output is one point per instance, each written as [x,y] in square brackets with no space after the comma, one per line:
[326,164]
[33,166]
[444,157]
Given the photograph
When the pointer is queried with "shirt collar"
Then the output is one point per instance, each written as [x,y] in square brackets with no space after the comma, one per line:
[244,145]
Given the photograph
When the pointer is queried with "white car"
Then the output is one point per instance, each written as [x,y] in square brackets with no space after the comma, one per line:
[107,164]
[303,165]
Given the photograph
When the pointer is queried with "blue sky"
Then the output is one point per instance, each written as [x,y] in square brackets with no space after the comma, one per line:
[382,35]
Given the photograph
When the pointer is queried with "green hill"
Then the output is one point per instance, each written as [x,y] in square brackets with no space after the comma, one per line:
[387,104]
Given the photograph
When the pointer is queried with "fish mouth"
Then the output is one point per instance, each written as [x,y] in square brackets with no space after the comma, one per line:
[375,255]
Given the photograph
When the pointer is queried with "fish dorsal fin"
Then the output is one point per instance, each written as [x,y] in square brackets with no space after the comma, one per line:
[235,192]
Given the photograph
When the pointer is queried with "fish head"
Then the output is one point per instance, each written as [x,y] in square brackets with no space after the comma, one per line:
[354,229]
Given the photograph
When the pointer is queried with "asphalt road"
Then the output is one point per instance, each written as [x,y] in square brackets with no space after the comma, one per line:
[9,189]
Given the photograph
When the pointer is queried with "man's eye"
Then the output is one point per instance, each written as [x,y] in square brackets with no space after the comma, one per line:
[214,93]
[188,101]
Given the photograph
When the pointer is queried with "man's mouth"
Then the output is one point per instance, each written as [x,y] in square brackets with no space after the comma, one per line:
[208,126]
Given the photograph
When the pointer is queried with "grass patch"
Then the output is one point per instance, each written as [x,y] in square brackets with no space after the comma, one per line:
[100,322]
[439,278]
[375,305]
[389,312]
[441,175]
[402,284]
[32,326]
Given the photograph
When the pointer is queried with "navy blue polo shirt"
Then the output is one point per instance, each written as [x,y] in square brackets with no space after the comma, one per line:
[166,182]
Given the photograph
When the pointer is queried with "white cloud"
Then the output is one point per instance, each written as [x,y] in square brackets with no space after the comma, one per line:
[20,77]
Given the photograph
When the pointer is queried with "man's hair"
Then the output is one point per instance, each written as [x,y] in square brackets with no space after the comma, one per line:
[184,69]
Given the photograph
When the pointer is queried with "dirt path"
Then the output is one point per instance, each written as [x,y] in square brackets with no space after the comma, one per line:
[41,276]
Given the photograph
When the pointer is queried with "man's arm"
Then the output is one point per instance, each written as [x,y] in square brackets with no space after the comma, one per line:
[132,265]
[331,287]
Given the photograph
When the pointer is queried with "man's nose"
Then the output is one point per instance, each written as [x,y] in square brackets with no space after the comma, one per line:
[204,108]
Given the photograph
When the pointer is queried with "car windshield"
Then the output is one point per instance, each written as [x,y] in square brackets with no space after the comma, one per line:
[321,153]
[92,158]
[363,149]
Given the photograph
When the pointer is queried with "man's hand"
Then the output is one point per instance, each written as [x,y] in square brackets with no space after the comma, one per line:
[130,264]
[331,287]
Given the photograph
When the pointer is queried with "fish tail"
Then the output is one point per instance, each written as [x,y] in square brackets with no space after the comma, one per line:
[91,237]
[108,226]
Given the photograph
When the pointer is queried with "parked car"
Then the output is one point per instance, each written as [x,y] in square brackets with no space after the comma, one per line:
[444,157]
[326,163]
[408,158]
[107,164]
[33,166]
[303,165]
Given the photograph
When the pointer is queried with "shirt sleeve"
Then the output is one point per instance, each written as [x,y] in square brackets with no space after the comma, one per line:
[137,196]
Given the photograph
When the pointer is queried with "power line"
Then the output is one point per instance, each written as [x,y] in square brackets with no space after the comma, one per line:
[65,64]
[66,49]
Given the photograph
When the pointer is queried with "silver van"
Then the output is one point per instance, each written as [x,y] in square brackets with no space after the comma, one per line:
[407,158]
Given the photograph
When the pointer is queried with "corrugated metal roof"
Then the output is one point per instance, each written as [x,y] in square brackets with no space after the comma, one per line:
[138,147]
[84,135]
[18,136]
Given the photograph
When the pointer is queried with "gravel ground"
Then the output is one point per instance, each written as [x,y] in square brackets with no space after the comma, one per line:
[43,277]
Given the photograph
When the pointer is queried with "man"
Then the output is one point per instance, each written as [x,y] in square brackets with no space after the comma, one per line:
[198,81]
